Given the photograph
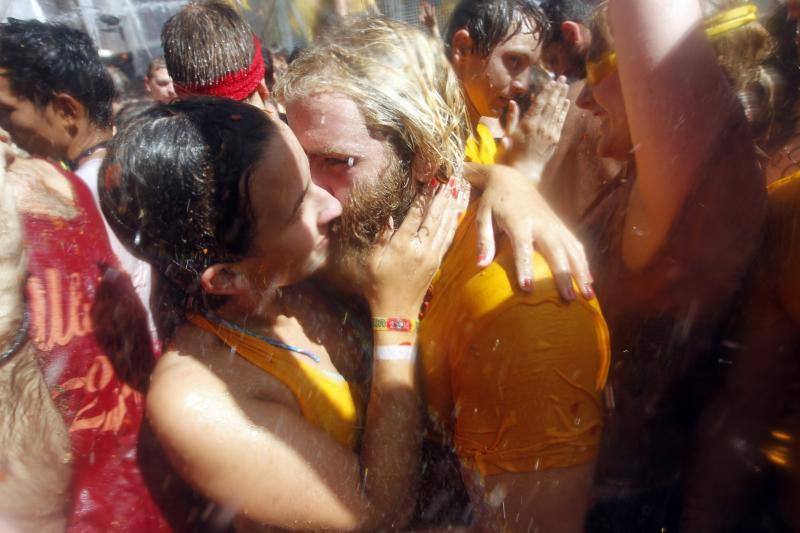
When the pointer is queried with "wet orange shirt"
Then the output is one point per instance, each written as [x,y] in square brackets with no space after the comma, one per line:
[513,377]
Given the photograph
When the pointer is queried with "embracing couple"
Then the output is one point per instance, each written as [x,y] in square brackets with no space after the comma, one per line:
[294,264]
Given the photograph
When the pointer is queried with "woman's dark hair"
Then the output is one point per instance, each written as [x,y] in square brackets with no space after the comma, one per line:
[491,22]
[174,185]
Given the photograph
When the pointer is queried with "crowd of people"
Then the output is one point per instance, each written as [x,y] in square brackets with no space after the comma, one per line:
[532,271]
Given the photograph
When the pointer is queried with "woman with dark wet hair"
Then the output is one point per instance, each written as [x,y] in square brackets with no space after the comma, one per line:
[268,398]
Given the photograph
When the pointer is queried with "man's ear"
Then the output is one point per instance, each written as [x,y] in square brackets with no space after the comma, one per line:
[572,33]
[461,46]
[224,279]
[147,84]
[67,108]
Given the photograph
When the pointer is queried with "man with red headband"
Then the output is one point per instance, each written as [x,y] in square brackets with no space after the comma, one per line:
[228,63]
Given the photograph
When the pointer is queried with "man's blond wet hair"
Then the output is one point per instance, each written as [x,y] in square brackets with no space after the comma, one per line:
[401,82]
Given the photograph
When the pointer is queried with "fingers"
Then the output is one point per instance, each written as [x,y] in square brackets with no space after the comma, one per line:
[555,94]
[415,214]
[540,102]
[562,113]
[445,232]
[579,266]
[548,103]
[556,256]
[523,259]
[441,204]
[561,103]
[512,118]
[486,246]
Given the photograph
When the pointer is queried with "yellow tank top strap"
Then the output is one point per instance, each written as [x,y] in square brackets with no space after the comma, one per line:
[325,398]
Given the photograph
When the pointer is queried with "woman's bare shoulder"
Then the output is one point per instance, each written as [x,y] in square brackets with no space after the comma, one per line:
[182,380]
[197,371]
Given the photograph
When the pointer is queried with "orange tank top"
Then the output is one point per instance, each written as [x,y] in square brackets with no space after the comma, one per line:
[325,398]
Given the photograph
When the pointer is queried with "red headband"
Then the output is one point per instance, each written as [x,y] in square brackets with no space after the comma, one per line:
[234,85]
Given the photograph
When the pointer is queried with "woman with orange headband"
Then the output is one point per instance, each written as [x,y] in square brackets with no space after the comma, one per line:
[672,238]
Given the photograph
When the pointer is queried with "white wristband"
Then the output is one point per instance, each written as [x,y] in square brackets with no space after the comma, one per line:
[396,352]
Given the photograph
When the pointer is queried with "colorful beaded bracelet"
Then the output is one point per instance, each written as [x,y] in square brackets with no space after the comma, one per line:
[394,324]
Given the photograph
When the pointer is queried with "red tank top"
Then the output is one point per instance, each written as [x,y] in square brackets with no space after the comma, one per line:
[96,354]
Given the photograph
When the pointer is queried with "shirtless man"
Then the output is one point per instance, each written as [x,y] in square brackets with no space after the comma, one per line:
[35,467]
[87,328]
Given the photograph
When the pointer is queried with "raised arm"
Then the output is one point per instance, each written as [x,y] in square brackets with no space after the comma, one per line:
[265,461]
[677,100]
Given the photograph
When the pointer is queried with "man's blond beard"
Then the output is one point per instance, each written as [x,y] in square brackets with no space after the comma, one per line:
[365,214]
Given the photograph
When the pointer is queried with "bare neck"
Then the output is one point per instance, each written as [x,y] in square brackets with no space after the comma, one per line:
[85,138]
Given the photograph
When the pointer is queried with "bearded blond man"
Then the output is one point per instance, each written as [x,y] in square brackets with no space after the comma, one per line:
[511,378]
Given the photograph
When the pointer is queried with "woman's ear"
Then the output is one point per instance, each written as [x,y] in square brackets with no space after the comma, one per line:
[224,279]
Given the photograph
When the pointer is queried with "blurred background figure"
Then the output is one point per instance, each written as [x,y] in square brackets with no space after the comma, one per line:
[427,17]
[121,86]
[567,40]
[158,82]
[575,174]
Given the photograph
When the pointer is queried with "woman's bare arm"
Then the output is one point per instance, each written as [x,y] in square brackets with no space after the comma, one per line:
[263,460]
[677,100]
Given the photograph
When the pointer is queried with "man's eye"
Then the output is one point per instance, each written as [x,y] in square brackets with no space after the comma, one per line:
[515,62]
[340,162]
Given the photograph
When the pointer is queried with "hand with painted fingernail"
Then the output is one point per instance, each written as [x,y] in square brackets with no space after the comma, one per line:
[523,215]
[403,262]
